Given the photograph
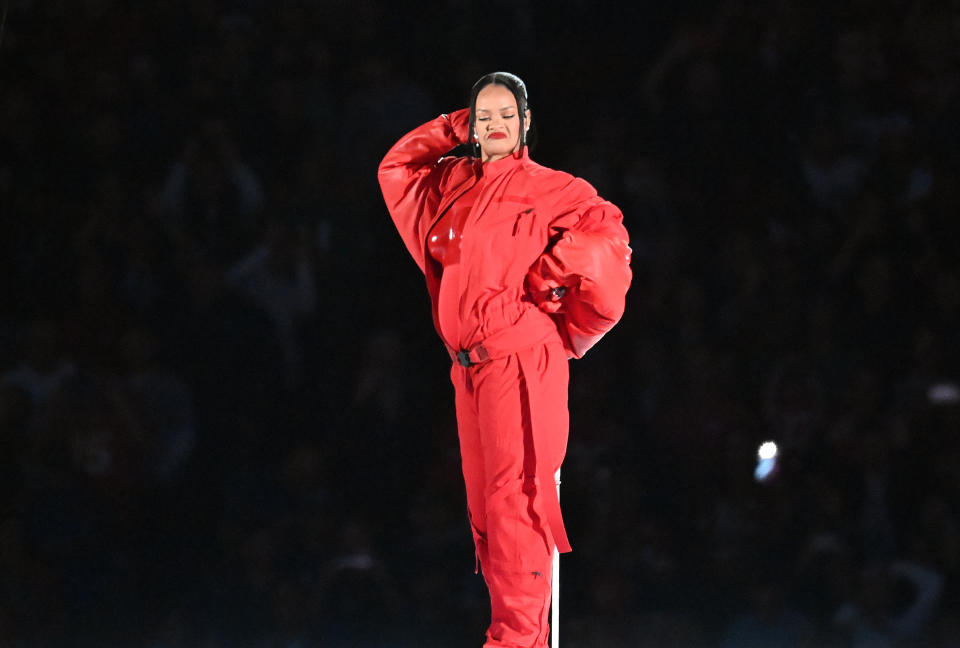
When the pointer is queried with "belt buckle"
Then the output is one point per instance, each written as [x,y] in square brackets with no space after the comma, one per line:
[463,357]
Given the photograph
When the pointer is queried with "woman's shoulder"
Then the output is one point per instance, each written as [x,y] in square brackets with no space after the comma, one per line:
[550,181]
[544,174]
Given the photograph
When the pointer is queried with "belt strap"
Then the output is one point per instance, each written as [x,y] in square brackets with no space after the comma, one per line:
[532,329]
[476,355]
[547,487]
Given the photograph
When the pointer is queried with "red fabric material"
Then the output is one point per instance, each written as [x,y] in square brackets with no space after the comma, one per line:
[513,422]
[522,211]
[443,246]
[594,270]
[443,240]
[512,406]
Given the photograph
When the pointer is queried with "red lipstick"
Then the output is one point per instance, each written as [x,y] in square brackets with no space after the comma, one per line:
[497,136]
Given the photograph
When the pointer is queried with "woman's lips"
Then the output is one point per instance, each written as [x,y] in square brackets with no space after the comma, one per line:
[497,136]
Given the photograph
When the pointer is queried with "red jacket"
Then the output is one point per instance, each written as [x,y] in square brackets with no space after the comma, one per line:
[530,230]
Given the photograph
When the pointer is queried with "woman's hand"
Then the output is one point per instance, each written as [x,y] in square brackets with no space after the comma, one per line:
[549,284]
[460,123]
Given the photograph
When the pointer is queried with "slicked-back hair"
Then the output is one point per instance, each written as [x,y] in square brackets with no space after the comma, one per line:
[516,86]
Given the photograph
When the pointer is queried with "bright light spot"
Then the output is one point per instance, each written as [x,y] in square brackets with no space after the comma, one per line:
[766,461]
[768,450]
[764,468]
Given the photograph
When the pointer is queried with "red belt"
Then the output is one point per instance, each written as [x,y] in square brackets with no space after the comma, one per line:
[532,329]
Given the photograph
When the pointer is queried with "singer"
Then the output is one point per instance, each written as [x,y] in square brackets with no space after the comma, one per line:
[526,267]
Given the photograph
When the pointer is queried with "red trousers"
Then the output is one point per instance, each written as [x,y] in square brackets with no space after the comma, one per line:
[513,423]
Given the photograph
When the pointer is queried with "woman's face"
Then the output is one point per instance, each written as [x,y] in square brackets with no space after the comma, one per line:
[497,123]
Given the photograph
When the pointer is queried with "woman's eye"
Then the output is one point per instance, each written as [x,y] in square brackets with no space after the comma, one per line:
[483,119]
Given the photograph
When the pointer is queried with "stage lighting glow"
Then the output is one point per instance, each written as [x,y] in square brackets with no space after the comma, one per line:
[766,461]
[945,393]
[767,450]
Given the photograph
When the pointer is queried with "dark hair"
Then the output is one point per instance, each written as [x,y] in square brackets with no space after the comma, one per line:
[515,85]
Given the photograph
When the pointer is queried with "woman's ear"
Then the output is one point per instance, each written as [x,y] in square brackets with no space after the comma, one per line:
[526,119]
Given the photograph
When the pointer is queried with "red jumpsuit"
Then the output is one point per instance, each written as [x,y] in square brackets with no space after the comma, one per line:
[527,230]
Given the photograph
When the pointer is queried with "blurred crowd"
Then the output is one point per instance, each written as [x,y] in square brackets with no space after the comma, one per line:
[224,415]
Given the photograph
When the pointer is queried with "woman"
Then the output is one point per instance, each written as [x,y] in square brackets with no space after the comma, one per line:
[525,266]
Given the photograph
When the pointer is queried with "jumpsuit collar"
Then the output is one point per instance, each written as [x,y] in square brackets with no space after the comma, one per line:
[496,168]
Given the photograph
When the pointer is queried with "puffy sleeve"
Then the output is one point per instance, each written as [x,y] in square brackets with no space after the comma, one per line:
[413,172]
[583,276]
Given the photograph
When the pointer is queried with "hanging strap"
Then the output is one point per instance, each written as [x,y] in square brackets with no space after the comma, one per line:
[546,475]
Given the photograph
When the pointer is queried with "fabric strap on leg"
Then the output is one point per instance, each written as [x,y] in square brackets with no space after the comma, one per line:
[546,488]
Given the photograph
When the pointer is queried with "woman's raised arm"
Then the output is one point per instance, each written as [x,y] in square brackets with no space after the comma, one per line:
[412,175]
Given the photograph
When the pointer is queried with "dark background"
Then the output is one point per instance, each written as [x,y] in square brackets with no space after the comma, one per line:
[225,417]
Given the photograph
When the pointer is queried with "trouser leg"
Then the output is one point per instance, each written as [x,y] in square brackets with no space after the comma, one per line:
[500,462]
[471,457]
